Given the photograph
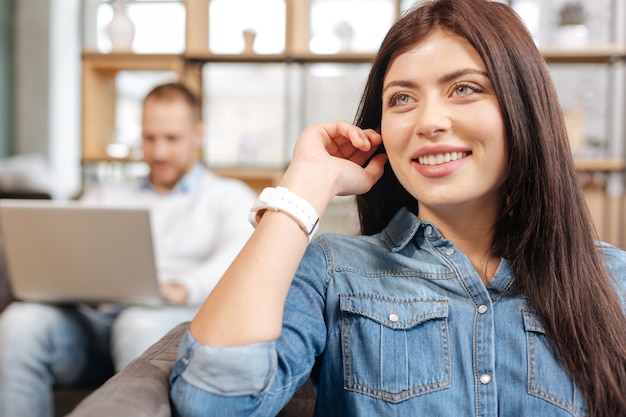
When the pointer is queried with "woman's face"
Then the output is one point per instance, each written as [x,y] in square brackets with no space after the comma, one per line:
[442,126]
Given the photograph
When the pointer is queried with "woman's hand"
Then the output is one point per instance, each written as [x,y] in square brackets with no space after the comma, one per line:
[328,161]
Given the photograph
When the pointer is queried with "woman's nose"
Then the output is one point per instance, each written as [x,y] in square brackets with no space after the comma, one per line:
[432,118]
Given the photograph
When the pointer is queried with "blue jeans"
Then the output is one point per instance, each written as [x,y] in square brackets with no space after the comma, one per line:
[43,346]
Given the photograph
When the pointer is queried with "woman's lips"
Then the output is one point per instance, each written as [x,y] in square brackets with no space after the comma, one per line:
[440,164]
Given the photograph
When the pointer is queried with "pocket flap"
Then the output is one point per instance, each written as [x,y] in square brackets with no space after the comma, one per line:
[394,313]
[532,323]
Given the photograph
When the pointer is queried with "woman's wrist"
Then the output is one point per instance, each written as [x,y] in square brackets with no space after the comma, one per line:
[282,200]
[315,186]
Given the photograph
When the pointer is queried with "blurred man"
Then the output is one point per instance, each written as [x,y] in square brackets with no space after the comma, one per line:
[199,223]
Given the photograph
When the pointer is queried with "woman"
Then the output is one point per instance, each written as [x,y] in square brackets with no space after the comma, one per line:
[477,287]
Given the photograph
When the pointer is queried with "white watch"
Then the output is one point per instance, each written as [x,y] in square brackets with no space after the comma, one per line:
[283,200]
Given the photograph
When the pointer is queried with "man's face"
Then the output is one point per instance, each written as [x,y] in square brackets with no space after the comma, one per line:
[171,141]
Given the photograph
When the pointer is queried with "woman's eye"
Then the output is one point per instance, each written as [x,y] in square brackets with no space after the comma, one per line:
[464,89]
[400,99]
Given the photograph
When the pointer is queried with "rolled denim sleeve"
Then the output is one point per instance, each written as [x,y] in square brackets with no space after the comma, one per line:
[228,371]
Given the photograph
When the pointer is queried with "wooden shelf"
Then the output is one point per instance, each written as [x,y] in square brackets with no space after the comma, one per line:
[334,58]
[114,60]
[599,164]
[300,58]
[109,159]
[598,54]
[202,57]
[553,55]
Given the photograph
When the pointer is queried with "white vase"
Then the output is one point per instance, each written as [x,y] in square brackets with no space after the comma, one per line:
[121,30]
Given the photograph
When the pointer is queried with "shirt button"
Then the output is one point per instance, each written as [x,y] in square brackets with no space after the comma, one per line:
[449,251]
[482,309]
[429,230]
[393,317]
[485,379]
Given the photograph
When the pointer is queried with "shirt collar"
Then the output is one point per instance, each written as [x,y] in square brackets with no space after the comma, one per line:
[402,228]
[185,185]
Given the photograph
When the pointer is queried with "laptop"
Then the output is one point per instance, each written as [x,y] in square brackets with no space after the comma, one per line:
[65,252]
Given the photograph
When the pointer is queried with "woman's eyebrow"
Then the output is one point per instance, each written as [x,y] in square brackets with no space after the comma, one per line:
[400,83]
[446,78]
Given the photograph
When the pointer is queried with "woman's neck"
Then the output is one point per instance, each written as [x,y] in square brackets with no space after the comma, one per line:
[472,232]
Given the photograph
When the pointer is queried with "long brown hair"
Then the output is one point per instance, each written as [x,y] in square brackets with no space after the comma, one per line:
[544,229]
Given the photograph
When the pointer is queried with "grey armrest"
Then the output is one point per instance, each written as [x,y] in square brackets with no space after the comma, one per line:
[140,389]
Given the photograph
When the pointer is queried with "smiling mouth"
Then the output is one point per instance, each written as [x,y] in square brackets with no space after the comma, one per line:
[441,158]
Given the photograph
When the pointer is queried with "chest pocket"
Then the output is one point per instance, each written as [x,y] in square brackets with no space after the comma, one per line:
[394,349]
[547,377]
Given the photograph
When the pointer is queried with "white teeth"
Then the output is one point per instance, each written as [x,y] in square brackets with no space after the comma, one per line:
[441,158]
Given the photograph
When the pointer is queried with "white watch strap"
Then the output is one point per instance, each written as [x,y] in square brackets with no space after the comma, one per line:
[283,200]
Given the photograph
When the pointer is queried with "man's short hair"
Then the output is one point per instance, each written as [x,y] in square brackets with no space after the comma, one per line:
[176,91]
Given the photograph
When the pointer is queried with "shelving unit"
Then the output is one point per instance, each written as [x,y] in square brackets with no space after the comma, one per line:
[99,97]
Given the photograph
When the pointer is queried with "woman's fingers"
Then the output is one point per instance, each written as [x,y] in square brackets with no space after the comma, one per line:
[339,139]
[334,155]
[349,137]
[359,184]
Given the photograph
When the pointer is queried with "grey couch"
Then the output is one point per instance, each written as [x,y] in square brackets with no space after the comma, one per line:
[141,389]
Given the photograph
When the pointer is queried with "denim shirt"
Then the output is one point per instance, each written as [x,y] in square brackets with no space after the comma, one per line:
[399,324]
